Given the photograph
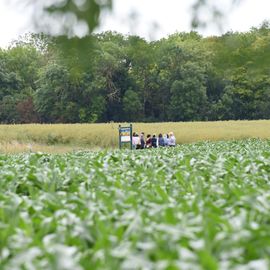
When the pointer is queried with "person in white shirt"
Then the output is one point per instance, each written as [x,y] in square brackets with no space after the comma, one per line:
[136,142]
[171,140]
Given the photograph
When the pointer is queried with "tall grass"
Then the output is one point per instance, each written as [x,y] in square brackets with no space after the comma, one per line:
[16,147]
[106,135]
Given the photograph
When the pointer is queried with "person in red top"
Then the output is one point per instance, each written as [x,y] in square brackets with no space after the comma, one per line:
[148,142]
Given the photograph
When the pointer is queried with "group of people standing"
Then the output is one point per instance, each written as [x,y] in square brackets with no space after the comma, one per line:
[152,141]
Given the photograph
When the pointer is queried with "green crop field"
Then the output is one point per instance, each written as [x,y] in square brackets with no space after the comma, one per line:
[198,206]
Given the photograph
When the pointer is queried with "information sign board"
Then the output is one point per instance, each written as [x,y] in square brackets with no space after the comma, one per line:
[125,135]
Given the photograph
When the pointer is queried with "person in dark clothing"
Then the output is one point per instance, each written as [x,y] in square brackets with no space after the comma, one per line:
[148,143]
[142,140]
[154,141]
[161,142]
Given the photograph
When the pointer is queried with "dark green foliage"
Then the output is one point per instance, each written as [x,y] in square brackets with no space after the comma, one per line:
[125,78]
[188,96]
[132,106]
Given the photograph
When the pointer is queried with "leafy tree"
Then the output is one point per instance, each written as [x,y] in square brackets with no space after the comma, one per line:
[188,96]
[142,71]
[26,111]
[51,98]
[184,77]
[8,113]
[132,106]
[19,68]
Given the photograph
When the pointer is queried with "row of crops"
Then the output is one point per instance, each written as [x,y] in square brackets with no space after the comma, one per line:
[199,206]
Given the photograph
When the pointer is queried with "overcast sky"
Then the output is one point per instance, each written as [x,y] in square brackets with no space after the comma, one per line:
[151,19]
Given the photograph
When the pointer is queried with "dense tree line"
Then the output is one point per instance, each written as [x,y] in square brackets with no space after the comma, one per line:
[184,77]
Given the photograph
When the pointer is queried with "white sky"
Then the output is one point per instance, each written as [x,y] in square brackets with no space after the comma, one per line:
[169,15]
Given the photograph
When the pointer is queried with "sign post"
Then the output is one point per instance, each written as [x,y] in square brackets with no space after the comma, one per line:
[125,135]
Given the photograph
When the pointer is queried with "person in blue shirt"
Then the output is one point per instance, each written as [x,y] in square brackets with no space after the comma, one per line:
[166,138]
[161,142]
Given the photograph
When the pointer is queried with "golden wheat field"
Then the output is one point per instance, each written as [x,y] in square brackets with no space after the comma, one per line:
[68,137]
